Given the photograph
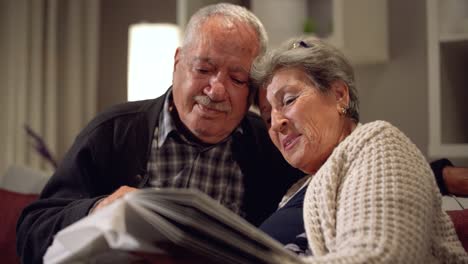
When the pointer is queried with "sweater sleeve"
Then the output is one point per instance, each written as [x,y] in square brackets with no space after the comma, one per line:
[67,197]
[64,200]
[374,201]
[111,151]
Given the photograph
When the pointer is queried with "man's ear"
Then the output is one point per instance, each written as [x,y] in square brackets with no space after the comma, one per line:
[177,57]
[341,92]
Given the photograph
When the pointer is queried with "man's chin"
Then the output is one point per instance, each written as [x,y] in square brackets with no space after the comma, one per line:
[206,132]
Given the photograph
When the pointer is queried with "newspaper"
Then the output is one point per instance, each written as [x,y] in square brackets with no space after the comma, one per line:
[166,221]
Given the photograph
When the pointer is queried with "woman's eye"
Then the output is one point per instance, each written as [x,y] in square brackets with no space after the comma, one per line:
[289,100]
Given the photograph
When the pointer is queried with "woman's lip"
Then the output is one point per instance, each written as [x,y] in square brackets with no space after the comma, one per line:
[289,142]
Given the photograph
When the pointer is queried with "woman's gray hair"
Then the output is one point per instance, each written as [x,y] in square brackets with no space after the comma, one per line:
[323,63]
[230,12]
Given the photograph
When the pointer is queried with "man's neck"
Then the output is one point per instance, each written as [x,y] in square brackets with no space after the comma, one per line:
[182,129]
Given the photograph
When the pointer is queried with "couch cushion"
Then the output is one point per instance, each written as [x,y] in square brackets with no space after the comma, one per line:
[460,221]
[23,179]
[11,205]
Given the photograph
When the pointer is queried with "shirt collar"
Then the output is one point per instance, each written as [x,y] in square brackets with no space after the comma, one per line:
[166,123]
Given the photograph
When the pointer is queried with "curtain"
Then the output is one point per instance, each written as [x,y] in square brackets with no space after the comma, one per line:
[48,72]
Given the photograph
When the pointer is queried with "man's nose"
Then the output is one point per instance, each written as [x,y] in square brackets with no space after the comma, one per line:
[217,88]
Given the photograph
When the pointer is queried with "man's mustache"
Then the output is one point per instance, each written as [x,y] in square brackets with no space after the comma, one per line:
[207,102]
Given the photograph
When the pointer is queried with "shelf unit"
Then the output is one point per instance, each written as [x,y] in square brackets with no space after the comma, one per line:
[358,27]
[447,86]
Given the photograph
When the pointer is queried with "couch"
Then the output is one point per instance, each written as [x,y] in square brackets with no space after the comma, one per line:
[20,186]
[460,221]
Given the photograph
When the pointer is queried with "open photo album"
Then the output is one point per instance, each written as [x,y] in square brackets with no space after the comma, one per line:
[176,222]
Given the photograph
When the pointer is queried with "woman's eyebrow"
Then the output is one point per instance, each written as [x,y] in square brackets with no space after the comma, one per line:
[278,92]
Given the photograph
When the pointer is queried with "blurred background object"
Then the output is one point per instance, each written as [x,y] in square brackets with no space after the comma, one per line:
[64,60]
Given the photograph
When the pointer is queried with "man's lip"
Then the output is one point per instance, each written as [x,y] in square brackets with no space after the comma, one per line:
[289,141]
[209,110]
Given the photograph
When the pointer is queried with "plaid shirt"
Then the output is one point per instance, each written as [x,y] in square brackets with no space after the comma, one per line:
[178,162]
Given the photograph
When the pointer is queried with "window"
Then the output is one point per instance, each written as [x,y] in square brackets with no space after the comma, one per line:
[151,59]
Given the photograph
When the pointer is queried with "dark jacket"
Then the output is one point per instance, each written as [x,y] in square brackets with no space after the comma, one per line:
[113,150]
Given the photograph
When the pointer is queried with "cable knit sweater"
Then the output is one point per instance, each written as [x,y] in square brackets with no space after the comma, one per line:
[375,200]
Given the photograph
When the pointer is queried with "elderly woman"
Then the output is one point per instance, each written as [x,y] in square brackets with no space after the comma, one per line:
[370,196]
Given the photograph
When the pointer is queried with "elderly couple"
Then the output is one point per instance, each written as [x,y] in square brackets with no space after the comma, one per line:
[363,192]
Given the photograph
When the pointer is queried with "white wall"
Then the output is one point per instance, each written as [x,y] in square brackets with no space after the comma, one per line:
[397,91]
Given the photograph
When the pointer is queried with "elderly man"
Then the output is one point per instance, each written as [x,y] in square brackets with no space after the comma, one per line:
[198,135]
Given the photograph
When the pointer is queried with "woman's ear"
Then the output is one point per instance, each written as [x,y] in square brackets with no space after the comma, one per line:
[341,92]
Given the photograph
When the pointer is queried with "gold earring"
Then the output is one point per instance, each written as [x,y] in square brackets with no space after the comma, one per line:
[343,110]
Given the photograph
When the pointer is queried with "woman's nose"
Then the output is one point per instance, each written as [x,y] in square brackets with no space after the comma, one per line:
[278,122]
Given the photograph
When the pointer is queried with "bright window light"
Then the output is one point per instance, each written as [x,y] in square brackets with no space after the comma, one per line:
[151,59]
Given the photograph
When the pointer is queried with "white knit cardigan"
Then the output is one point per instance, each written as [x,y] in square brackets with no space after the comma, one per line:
[375,200]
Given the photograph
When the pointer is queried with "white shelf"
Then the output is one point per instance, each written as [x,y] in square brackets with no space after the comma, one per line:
[357,27]
[447,87]
[448,150]
[445,38]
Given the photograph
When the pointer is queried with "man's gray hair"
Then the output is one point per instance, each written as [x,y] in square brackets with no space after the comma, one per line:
[323,63]
[230,12]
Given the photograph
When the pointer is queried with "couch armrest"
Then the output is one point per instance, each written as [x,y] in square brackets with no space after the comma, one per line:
[11,205]
[460,221]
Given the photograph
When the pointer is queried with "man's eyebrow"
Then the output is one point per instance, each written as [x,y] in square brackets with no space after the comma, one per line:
[238,69]
[231,69]
[203,59]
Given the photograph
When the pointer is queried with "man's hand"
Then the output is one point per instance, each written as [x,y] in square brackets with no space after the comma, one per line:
[114,196]
[456,180]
